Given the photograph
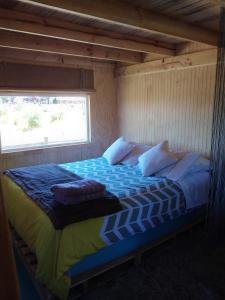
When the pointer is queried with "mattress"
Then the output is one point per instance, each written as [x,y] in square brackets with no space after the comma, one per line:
[148,203]
[124,247]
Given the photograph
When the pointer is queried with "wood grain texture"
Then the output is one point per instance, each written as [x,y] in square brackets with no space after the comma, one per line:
[174,105]
[189,60]
[103,112]
[47,59]
[118,12]
[56,46]
[20,22]
[191,47]
[201,13]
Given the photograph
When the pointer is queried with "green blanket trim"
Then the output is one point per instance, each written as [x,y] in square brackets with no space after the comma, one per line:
[56,250]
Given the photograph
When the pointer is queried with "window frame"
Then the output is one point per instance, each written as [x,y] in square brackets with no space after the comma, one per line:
[86,94]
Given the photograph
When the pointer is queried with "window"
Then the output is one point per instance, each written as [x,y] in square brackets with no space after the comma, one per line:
[31,121]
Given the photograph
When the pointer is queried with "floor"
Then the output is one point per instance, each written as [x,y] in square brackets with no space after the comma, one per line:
[188,268]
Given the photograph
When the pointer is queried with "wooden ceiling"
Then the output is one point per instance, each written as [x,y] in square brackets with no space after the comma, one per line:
[130,31]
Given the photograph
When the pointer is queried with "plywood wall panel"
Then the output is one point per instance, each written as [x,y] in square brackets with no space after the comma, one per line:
[174,105]
[103,108]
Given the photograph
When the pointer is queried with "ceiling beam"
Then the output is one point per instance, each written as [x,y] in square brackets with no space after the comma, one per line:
[60,23]
[191,60]
[118,12]
[44,44]
[49,59]
[20,22]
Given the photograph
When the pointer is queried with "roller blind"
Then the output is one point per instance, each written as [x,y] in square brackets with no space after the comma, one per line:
[33,77]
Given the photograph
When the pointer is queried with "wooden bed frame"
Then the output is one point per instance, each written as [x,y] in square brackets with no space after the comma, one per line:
[79,284]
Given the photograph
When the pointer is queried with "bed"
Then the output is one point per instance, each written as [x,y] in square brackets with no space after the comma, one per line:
[153,209]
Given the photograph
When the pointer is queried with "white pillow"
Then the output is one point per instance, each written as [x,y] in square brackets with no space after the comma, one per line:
[132,158]
[117,151]
[155,159]
[183,166]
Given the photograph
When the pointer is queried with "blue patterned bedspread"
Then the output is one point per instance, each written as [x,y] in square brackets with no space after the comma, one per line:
[147,201]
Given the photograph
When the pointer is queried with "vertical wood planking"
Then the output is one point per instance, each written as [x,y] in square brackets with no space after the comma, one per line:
[173,105]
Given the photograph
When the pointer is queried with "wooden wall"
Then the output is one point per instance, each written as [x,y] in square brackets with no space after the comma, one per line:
[175,105]
[103,108]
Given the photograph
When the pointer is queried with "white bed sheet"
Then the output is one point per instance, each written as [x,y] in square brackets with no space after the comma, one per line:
[195,188]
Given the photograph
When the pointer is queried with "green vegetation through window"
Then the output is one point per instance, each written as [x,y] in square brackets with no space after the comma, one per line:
[43,121]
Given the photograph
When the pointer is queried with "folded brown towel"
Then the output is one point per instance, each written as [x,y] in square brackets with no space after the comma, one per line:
[78,191]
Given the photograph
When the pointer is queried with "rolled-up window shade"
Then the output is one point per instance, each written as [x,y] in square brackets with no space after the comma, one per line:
[33,77]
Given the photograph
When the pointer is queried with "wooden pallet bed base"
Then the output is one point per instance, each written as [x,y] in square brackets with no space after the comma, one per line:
[30,262]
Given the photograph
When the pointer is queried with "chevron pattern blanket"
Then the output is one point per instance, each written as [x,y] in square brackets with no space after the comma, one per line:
[147,201]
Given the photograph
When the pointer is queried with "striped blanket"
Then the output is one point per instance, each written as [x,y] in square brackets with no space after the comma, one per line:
[146,201]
